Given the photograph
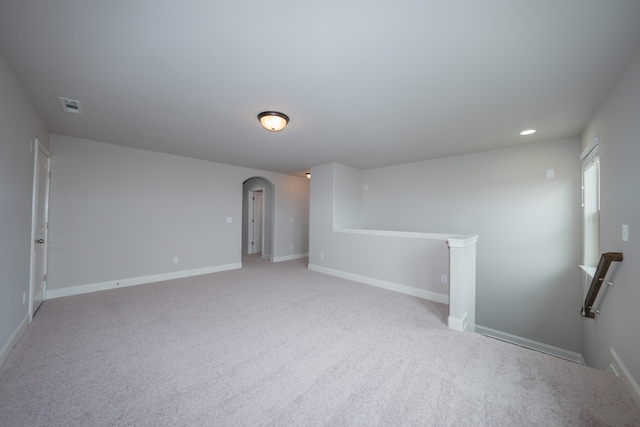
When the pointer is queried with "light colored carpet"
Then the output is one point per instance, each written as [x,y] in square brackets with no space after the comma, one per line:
[277,344]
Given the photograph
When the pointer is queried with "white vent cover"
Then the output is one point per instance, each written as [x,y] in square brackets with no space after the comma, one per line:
[70,105]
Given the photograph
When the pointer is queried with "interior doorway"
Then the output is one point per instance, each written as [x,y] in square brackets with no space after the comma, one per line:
[256,229]
[39,228]
[257,217]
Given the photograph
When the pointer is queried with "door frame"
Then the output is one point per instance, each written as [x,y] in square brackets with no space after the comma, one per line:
[37,147]
[250,227]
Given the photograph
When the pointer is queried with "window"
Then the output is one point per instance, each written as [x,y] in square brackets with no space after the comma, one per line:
[591,207]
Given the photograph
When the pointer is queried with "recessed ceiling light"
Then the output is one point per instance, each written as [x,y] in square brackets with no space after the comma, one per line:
[527,132]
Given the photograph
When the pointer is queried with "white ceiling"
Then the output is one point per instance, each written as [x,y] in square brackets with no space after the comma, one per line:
[366,83]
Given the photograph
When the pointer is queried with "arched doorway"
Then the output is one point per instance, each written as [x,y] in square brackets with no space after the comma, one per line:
[257,217]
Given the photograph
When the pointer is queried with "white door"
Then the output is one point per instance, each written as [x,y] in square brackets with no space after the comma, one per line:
[40,225]
[257,222]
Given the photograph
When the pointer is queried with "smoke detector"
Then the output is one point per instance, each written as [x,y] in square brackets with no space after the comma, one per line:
[70,105]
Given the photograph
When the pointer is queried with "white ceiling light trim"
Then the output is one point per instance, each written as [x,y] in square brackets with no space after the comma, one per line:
[528,132]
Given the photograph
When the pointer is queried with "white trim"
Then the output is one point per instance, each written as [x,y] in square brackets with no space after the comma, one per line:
[403,289]
[289,257]
[37,147]
[588,270]
[454,240]
[458,324]
[391,233]
[13,340]
[618,368]
[534,345]
[595,142]
[462,241]
[134,281]
[34,215]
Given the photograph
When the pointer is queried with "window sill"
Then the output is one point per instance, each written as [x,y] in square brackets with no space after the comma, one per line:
[589,270]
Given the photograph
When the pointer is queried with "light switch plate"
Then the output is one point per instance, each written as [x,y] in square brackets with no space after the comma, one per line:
[625,233]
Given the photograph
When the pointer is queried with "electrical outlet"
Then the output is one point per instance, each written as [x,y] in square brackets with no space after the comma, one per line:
[321,256]
[290,247]
[175,259]
[444,278]
[229,220]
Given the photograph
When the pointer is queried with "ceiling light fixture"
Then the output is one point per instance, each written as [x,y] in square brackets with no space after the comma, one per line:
[527,132]
[308,175]
[273,121]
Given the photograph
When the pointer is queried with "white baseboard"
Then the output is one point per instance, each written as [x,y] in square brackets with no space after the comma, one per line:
[458,324]
[403,289]
[618,368]
[289,257]
[534,345]
[112,284]
[13,340]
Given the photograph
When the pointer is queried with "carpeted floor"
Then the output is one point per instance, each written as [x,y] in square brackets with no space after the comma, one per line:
[277,344]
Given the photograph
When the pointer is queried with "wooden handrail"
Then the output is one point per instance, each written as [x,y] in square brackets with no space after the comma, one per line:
[603,267]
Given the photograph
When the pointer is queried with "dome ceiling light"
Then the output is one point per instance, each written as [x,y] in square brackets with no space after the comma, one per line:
[273,121]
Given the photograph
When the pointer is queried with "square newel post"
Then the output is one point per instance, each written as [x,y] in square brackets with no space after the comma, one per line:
[462,283]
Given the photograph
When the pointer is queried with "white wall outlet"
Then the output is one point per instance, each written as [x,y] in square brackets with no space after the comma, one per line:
[290,247]
[175,259]
[551,173]
[24,298]
[366,187]
[444,278]
[625,233]
[321,256]
[229,220]
[291,219]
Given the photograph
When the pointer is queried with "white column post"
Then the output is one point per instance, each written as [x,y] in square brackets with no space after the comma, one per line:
[462,283]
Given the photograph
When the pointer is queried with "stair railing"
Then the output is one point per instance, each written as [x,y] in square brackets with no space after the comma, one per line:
[606,259]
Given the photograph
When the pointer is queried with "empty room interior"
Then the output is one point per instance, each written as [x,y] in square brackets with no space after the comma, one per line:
[320,212]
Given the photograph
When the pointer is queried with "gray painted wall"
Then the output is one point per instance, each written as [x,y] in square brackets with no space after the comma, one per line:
[347,192]
[618,126]
[119,212]
[19,124]
[528,282]
[397,261]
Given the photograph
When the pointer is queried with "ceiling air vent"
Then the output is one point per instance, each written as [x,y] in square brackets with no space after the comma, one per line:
[70,106]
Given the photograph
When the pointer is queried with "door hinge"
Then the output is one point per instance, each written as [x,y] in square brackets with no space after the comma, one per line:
[49,173]
[44,278]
